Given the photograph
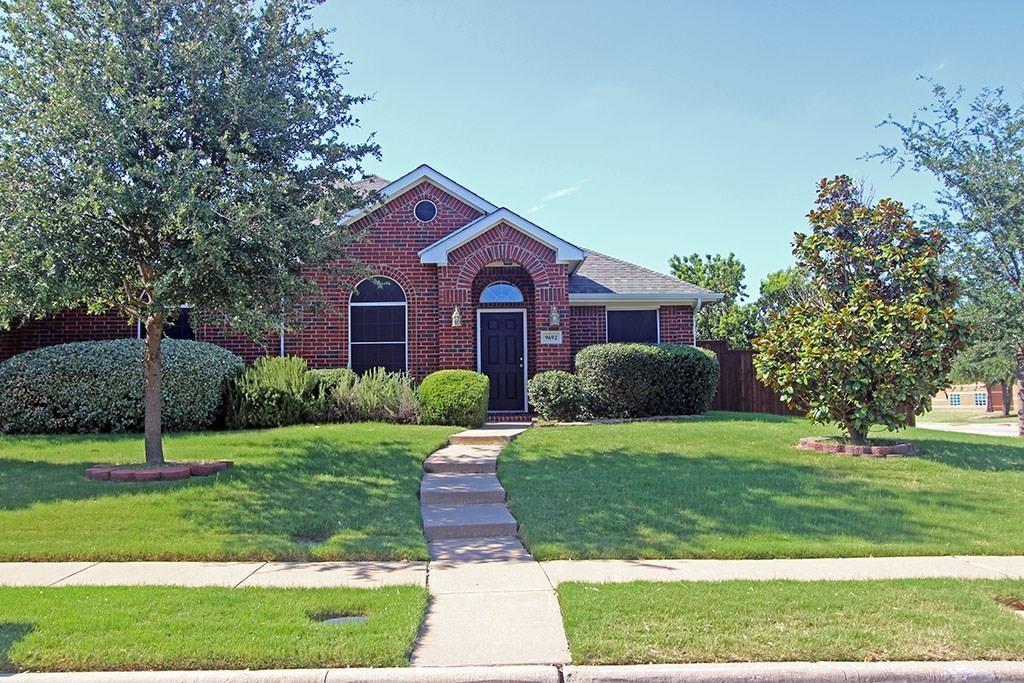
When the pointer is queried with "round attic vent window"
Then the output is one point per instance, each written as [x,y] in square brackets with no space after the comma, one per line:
[425,211]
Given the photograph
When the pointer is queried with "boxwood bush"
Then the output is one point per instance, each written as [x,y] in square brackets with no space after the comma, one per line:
[643,380]
[97,387]
[454,397]
[558,395]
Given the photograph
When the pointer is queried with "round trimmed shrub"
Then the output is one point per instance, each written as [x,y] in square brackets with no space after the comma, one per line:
[558,395]
[454,397]
[97,387]
[644,380]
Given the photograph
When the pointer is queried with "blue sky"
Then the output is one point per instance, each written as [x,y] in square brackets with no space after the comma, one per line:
[644,129]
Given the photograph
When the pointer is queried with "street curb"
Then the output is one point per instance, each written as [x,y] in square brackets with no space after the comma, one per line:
[802,672]
[458,674]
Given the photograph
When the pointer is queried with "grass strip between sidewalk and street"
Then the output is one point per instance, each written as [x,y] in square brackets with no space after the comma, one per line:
[761,621]
[111,628]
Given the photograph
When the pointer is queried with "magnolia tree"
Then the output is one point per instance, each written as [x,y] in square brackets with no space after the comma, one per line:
[880,333]
[159,152]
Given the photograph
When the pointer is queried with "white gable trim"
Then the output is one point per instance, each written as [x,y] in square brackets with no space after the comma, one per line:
[437,253]
[418,175]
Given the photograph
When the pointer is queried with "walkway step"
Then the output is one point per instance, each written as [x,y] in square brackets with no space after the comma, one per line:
[467,521]
[461,489]
[464,460]
[489,434]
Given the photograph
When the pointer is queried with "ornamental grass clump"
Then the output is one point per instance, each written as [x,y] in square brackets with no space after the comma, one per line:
[879,335]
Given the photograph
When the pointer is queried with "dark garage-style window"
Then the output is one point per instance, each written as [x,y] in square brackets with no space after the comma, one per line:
[377,335]
[633,326]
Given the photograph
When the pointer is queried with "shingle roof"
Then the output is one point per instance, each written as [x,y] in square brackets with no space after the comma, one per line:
[601,274]
[371,183]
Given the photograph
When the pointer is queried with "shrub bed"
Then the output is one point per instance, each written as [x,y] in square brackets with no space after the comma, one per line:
[454,397]
[97,387]
[643,380]
[558,395]
[273,392]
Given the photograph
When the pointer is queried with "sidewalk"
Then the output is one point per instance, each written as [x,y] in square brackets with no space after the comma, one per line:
[980,429]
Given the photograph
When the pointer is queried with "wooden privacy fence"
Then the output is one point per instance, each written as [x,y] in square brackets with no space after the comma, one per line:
[738,386]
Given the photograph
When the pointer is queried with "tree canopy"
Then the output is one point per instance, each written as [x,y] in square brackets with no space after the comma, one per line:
[975,149]
[159,153]
[880,332]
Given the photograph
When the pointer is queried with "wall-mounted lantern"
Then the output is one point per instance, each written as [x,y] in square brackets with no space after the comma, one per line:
[456,318]
[554,319]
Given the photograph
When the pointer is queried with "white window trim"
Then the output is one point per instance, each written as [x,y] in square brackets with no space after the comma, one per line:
[380,303]
[526,352]
[421,201]
[633,308]
[522,297]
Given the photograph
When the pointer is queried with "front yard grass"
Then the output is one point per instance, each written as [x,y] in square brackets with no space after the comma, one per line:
[327,492]
[738,621]
[733,485]
[161,627]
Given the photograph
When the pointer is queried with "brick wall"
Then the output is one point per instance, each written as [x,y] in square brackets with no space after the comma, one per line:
[676,324]
[588,327]
[68,326]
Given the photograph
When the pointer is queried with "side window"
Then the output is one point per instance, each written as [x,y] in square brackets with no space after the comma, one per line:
[377,326]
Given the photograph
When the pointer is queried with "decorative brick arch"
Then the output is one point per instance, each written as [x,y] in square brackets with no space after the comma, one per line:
[458,345]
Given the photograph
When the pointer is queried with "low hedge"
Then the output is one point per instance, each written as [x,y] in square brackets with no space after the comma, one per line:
[558,395]
[643,380]
[454,397]
[98,386]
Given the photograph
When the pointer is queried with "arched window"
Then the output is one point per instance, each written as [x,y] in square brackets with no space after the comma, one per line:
[377,326]
[501,293]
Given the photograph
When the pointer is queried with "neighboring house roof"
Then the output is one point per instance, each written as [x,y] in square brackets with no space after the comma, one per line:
[437,252]
[604,278]
[594,277]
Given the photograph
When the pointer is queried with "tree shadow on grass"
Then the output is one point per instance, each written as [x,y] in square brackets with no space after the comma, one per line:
[24,483]
[659,504]
[10,634]
[324,495]
[969,454]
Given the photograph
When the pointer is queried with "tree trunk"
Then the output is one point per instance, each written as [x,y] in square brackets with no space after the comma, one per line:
[1019,352]
[1007,396]
[857,437]
[151,400]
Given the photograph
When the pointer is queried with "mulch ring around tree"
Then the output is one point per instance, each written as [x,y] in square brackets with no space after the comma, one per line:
[878,448]
[168,472]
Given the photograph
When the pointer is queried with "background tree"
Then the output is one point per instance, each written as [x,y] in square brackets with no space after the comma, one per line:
[880,334]
[719,274]
[160,152]
[976,152]
[989,356]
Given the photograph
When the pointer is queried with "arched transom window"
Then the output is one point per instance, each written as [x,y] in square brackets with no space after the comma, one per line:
[501,293]
[377,326]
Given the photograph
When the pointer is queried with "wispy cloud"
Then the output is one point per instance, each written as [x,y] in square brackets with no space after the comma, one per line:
[557,194]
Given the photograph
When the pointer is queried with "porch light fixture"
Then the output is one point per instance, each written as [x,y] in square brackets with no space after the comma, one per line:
[456,318]
[554,319]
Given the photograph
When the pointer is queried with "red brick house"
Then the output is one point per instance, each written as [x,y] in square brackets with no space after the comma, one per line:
[459,283]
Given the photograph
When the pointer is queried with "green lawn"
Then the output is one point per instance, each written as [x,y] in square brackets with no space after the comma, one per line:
[733,485]
[162,627]
[309,492]
[932,619]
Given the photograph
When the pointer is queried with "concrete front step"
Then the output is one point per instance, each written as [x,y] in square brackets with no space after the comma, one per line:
[489,434]
[464,460]
[441,522]
[461,489]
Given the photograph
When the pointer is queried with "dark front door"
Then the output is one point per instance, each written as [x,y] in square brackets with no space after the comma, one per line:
[502,358]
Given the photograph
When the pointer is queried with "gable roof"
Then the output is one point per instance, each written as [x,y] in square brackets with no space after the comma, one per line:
[604,278]
[437,253]
[413,178]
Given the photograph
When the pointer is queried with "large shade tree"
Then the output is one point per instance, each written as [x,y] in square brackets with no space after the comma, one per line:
[975,149]
[880,333]
[722,274]
[155,153]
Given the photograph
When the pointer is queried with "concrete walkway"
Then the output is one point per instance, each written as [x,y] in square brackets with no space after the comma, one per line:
[981,428]
[490,601]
